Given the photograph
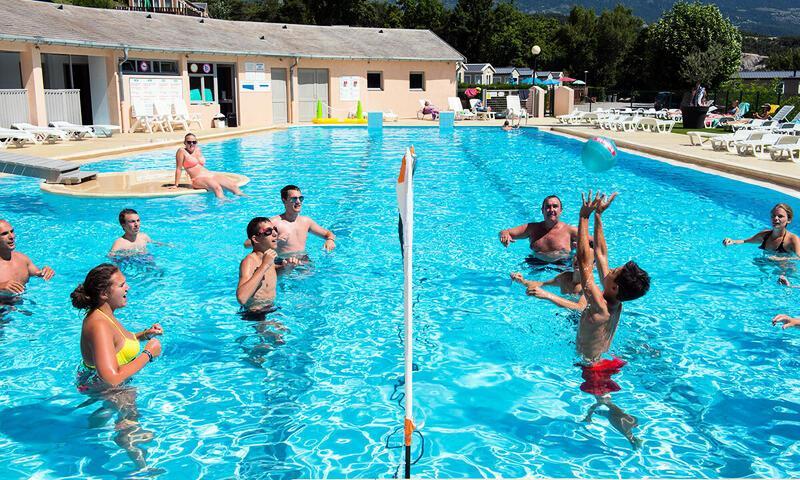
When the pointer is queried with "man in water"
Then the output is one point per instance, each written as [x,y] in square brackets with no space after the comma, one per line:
[132,240]
[294,227]
[15,267]
[599,320]
[551,240]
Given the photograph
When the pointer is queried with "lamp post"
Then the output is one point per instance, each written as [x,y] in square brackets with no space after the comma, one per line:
[535,51]
[586,86]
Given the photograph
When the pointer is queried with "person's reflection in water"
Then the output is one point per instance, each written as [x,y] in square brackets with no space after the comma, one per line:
[268,334]
[598,382]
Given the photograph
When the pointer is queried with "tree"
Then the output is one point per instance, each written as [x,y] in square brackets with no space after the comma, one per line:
[470,25]
[578,40]
[423,14]
[515,33]
[691,29]
[616,34]
[786,60]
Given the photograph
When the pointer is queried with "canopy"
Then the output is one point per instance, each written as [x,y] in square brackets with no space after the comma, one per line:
[566,79]
[579,82]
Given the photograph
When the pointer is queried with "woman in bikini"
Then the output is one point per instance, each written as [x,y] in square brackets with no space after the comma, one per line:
[777,239]
[190,158]
[111,355]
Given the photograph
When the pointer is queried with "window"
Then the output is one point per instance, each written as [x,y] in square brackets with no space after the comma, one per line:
[416,81]
[202,82]
[374,80]
[150,67]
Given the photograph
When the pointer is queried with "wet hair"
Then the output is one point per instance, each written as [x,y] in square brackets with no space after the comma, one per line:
[632,282]
[505,124]
[560,203]
[789,211]
[285,191]
[87,295]
[126,211]
[190,134]
[252,226]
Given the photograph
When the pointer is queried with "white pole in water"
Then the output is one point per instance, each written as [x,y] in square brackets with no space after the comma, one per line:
[408,236]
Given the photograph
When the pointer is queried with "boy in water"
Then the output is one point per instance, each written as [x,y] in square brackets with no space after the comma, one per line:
[600,318]
[257,271]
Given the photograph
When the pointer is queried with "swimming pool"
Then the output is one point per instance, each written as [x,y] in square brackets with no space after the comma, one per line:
[714,387]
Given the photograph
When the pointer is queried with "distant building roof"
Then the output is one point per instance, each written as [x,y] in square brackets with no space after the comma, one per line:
[769,74]
[525,71]
[477,67]
[48,23]
[504,70]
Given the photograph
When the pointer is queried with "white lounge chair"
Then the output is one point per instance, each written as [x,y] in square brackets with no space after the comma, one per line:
[728,141]
[164,113]
[15,137]
[758,146]
[181,112]
[701,137]
[782,113]
[787,148]
[390,116]
[454,104]
[42,134]
[144,118]
[480,114]
[514,109]
[656,125]
[76,131]
[570,117]
[105,131]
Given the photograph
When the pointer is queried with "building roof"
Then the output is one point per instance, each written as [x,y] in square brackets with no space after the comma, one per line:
[525,71]
[477,67]
[769,74]
[504,70]
[48,23]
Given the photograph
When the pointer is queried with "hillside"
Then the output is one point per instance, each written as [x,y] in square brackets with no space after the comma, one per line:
[767,17]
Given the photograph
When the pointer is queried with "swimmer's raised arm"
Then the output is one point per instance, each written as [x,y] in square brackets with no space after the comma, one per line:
[600,246]
[758,237]
[508,235]
[594,296]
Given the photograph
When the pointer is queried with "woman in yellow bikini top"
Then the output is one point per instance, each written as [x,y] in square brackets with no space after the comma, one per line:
[103,291]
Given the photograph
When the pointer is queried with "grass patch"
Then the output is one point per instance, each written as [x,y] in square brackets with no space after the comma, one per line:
[679,129]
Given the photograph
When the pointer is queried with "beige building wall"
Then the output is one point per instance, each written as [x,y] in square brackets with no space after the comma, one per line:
[254,109]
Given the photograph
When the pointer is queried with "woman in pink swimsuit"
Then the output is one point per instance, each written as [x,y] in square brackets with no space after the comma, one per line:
[190,158]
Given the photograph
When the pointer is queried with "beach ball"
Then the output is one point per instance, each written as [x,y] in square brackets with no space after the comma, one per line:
[599,154]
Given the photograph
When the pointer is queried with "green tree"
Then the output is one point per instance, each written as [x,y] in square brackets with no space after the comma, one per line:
[423,14]
[691,29]
[616,33]
[786,60]
[470,26]
[515,33]
[577,38]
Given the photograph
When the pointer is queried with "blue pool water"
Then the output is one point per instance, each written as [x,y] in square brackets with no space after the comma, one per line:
[713,386]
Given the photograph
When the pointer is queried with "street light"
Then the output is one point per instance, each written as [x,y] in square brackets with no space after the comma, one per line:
[586,86]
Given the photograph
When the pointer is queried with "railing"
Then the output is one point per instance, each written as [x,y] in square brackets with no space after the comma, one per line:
[184,9]
[63,106]
[13,106]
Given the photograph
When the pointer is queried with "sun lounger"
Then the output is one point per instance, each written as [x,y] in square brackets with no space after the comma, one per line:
[181,112]
[104,131]
[42,134]
[758,146]
[787,148]
[76,131]
[390,116]
[657,125]
[461,113]
[728,141]
[514,109]
[145,118]
[700,137]
[421,112]
[15,137]
[781,114]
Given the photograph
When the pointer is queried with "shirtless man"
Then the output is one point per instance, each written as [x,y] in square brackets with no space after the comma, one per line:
[257,271]
[550,240]
[599,320]
[294,227]
[133,240]
[15,267]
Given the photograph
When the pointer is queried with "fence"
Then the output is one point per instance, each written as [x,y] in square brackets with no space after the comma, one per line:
[63,105]
[13,106]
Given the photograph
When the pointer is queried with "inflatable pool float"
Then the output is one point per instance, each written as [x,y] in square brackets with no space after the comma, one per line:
[135,184]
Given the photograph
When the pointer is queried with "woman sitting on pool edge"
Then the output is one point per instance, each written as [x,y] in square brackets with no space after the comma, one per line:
[778,239]
[110,352]
[190,158]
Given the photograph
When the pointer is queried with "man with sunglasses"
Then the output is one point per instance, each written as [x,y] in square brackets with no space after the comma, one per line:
[15,267]
[257,271]
[294,227]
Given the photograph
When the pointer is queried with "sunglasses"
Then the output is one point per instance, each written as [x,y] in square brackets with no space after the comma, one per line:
[190,142]
[299,199]
[267,232]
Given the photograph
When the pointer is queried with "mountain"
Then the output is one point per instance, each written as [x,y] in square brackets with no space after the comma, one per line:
[765,17]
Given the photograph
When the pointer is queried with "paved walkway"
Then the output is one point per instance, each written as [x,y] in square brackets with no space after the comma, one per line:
[672,146]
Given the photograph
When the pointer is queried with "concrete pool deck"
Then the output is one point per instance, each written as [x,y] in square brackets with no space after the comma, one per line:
[671,146]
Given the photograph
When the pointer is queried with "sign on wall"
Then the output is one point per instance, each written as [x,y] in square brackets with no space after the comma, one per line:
[255,78]
[349,89]
[151,90]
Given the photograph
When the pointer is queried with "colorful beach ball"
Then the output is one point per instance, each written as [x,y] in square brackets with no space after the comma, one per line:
[599,154]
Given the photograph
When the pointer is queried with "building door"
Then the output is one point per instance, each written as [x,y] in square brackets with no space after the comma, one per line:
[312,85]
[226,93]
[77,77]
[279,112]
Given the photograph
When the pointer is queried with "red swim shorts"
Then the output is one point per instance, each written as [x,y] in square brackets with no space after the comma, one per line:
[597,376]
